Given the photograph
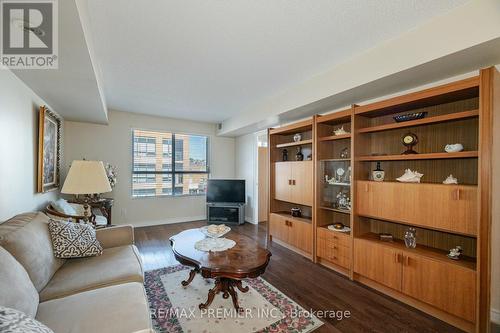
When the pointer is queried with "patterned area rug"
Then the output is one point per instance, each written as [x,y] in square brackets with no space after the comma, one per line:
[175,308]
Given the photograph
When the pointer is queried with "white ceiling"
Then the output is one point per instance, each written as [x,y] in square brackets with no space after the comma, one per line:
[211,60]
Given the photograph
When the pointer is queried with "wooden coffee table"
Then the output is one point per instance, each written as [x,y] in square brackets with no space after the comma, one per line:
[245,260]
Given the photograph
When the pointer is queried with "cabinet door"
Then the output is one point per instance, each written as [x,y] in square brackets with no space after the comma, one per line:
[449,287]
[277,227]
[300,235]
[445,207]
[283,177]
[378,263]
[302,183]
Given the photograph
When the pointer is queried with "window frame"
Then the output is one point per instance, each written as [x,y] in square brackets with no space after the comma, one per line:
[173,171]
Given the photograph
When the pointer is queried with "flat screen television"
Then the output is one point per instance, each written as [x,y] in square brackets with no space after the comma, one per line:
[226,190]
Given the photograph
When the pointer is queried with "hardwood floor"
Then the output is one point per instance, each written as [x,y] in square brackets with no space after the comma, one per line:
[311,285]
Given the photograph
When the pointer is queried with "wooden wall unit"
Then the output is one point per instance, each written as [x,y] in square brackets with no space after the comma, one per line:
[444,215]
[292,185]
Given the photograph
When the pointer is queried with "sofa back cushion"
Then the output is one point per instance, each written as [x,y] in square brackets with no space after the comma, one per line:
[26,237]
[16,289]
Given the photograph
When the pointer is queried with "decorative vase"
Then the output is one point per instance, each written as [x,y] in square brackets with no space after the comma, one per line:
[299,156]
[297,137]
[378,174]
[411,238]
[285,155]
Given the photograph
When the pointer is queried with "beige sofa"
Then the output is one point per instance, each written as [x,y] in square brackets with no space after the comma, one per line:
[97,294]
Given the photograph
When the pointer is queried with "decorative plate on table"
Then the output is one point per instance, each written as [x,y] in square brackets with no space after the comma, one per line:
[214,244]
[215,231]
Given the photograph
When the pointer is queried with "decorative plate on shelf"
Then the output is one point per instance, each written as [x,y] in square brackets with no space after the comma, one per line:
[409,116]
[344,229]
[215,231]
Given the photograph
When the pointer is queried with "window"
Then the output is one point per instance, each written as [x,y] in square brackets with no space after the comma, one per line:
[169,164]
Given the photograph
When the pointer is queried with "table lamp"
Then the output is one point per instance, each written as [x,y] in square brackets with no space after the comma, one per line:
[86,178]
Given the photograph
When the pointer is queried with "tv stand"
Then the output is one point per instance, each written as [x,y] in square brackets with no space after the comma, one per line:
[225,213]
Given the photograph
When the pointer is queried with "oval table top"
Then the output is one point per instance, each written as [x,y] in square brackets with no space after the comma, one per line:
[246,259]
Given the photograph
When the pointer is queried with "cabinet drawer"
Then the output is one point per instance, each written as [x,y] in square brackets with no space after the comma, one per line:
[337,254]
[333,237]
[444,207]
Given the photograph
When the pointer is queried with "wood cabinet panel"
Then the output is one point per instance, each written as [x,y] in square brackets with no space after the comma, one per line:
[378,263]
[444,207]
[445,286]
[302,183]
[277,227]
[283,176]
[300,235]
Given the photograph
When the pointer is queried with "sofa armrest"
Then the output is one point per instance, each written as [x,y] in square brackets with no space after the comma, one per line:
[115,236]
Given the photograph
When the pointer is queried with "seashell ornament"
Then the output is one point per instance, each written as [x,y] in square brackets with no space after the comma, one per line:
[410,177]
[450,180]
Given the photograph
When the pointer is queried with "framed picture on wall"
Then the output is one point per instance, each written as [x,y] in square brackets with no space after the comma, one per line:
[49,150]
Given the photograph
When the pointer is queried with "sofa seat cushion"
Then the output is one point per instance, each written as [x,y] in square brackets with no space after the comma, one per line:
[114,309]
[16,289]
[26,237]
[116,265]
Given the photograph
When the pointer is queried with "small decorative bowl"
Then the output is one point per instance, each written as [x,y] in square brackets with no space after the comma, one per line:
[205,231]
[409,116]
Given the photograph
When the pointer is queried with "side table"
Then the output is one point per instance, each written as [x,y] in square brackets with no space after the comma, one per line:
[104,205]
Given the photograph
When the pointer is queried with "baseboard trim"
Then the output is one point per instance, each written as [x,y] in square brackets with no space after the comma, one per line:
[495,316]
[172,220]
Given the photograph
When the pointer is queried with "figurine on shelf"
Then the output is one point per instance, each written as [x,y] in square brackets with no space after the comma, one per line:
[453,148]
[410,177]
[343,201]
[296,212]
[455,253]
[378,174]
[340,131]
[285,155]
[344,153]
[299,156]
[411,238]
[450,180]
[297,137]
[309,157]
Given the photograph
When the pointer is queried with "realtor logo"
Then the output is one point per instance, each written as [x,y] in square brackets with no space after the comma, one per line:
[29,34]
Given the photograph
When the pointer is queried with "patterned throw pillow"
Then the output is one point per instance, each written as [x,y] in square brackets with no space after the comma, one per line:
[14,321]
[73,240]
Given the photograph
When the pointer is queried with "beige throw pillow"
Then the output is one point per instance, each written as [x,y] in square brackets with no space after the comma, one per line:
[74,240]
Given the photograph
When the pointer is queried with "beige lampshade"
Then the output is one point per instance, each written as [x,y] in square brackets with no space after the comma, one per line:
[86,177]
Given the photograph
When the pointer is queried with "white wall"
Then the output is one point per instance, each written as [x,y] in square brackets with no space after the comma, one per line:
[113,144]
[18,148]
[246,159]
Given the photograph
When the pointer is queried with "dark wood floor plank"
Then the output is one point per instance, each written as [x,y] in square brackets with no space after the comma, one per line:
[310,285]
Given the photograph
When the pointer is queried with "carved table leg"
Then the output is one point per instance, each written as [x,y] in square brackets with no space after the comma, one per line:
[227,287]
[211,294]
[240,287]
[234,297]
[192,273]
